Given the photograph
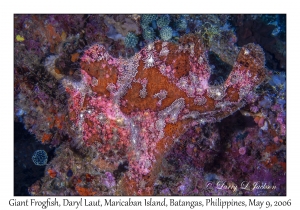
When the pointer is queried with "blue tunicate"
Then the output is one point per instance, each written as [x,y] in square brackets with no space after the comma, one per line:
[275,80]
[40,157]
[278,80]
[175,34]
[154,25]
[281,101]
[242,136]
[210,177]
[276,31]
[266,102]
[20,114]
[197,23]
[70,173]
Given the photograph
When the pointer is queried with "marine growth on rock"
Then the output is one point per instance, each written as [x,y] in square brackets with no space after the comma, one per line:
[118,122]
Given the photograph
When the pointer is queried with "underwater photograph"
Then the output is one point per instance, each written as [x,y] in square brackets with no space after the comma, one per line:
[149,104]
